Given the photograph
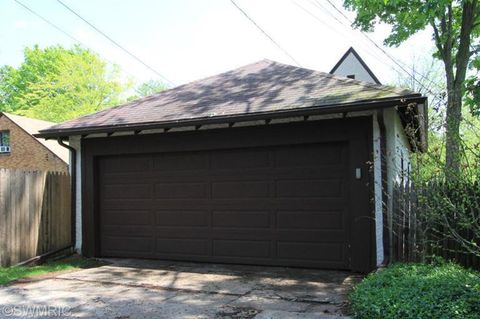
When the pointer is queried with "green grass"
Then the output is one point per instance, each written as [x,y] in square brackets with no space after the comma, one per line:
[9,274]
[442,290]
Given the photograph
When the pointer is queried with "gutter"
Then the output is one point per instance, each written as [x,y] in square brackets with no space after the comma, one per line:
[304,111]
[73,188]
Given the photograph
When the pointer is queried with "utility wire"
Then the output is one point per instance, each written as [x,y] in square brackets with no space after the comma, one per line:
[264,33]
[69,35]
[48,22]
[402,67]
[425,87]
[116,43]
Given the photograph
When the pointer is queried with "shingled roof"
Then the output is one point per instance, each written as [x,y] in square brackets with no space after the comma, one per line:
[265,87]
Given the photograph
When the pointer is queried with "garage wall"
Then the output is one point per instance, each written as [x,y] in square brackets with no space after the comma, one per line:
[398,166]
[74,141]
[397,158]
[398,148]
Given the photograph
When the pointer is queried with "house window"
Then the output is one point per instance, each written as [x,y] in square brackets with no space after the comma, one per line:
[4,142]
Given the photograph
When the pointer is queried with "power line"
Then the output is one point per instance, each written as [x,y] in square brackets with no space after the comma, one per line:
[264,33]
[425,86]
[48,22]
[68,34]
[116,43]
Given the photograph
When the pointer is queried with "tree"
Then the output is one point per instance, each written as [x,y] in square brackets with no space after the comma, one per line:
[58,84]
[150,87]
[455,30]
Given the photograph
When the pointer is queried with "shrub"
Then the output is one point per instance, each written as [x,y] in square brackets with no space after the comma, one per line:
[442,290]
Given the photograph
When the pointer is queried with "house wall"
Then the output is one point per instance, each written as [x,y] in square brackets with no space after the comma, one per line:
[351,65]
[26,152]
[74,141]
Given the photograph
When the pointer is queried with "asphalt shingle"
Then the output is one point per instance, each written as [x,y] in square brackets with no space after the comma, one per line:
[265,86]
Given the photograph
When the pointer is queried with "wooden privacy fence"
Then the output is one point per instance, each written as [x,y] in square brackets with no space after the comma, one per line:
[417,235]
[35,214]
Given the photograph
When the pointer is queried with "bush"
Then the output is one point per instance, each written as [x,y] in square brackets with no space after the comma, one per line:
[442,290]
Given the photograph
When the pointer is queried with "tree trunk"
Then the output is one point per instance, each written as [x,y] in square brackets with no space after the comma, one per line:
[453,140]
[455,86]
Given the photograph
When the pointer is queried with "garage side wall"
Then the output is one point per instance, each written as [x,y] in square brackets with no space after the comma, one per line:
[377,175]
[397,160]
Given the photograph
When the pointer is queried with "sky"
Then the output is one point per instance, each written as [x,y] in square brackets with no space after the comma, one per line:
[185,40]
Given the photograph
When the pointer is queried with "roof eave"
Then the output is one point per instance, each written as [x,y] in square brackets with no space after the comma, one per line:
[312,110]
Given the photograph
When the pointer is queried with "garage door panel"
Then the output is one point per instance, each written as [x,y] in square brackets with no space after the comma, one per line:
[297,220]
[179,246]
[126,164]
[241,189]
[240,159]
[282,205]
[182,218]
[127,191]
[178,162]
[127,244]
[330,252]
[153,177]
[239,233]
[242,248]
[241,219]
[308,203]
[127,217]
[320,172]
[128,230]
[309,188]
[181,190]
[324,236]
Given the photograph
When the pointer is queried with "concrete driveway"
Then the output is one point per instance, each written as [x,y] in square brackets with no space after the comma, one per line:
[156,289]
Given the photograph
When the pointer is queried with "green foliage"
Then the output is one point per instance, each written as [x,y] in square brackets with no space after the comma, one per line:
[455,26]
[418,291]
[58,84]
[472,96]
[9,274]
[406,17]
[150,87]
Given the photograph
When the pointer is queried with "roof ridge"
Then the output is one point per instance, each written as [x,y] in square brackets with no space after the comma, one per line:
[382,87]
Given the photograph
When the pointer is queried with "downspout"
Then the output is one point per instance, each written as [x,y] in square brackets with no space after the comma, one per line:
[73,188]
[383,168]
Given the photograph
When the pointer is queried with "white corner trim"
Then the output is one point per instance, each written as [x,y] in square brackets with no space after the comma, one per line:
[377,176]
[75,142]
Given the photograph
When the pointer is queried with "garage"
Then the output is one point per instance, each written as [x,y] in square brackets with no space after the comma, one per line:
[265,195]
[267,164]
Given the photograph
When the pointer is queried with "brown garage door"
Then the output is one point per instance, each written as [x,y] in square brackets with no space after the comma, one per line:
[282,205]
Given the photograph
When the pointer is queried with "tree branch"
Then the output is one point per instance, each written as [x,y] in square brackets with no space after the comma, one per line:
[438,41]
[463,53]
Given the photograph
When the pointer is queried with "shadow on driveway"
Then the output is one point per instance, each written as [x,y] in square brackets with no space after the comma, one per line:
[128,288]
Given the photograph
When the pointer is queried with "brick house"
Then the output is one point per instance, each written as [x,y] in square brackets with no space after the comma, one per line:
[19,149]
